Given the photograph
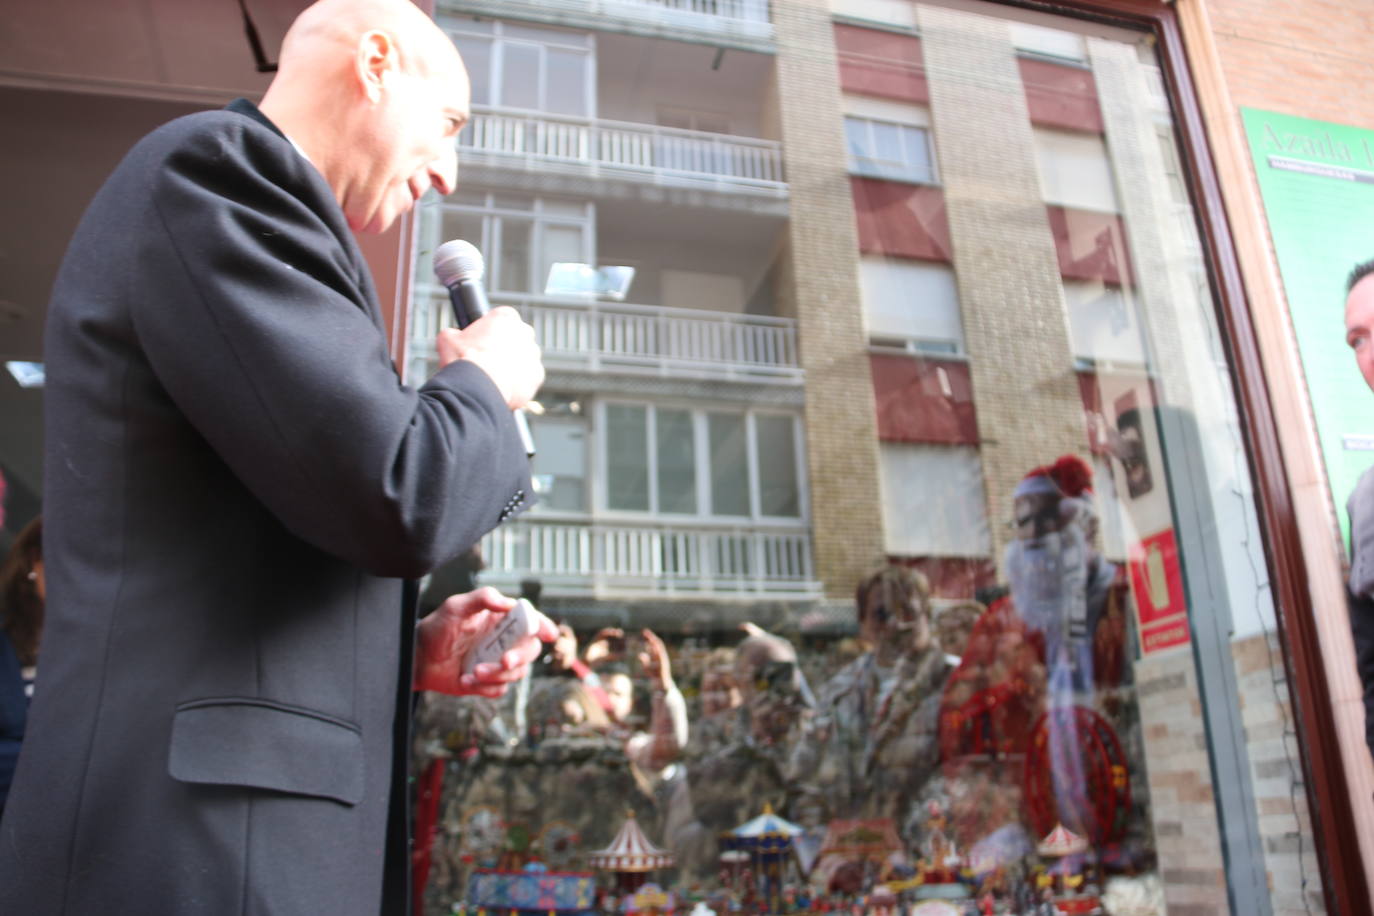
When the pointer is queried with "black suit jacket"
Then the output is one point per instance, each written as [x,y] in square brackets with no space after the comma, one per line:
[237,484]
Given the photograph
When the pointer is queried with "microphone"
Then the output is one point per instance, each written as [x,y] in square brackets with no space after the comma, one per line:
[459,266]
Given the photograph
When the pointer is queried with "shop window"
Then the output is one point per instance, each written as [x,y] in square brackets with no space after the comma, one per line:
[1017,399]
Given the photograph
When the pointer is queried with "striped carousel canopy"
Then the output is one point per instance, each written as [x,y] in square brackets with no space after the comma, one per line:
[630,851]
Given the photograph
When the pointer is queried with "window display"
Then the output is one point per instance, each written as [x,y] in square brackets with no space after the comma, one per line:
[882,526]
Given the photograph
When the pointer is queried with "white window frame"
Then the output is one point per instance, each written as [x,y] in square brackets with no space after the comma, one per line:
[868,112]
[701,457]
[489,244]
[895,342]
[501,37]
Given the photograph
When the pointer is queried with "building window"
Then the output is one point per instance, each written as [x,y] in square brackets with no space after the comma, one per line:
[1045,42]
[531,69]
[886,149]
[933,503]
[559,466]
[696,462]
[1075,170]
[520,237]
[1104,326]
[911,305]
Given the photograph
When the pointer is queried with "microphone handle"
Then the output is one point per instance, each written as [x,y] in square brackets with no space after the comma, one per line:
[469,301]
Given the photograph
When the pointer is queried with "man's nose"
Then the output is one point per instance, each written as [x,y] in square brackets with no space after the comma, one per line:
[443,172]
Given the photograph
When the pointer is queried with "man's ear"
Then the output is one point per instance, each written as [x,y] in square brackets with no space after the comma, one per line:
[376,57]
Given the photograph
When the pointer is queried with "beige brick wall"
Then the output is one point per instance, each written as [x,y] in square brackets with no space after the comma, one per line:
[822,291]
[1024,389]
[1276,770]
[1182,807]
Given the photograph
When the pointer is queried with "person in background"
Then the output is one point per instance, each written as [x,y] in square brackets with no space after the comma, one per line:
[22,590]
[1359,334]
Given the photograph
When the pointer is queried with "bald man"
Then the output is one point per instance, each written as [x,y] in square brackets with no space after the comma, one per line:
[239,491]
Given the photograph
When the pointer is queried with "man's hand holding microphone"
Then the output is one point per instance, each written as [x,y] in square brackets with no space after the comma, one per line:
[483,622]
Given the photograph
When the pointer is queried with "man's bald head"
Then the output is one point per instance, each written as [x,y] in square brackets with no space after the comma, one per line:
[329,28]
[375,94]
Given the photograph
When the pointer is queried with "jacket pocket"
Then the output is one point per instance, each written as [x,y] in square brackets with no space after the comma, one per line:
[236,741]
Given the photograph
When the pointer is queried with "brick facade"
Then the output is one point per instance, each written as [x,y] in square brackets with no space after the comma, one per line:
[822,291]
[1024,389]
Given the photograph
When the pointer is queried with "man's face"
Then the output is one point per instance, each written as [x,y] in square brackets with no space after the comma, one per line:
[1359,326]
[410,141]
[1036,516]
[621,691]
[893,620]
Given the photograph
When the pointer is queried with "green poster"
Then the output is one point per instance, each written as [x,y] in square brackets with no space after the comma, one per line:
[1317,182]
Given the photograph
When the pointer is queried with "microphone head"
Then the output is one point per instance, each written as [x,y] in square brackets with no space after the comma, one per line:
[458,260]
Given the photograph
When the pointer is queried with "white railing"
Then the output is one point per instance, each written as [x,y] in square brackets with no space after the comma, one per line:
[663,155]
[744,19]
[604,559]
[597,336]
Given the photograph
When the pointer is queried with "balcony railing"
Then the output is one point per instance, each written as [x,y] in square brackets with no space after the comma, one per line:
[745,20]
[600,336]
[661,155]
[605,559]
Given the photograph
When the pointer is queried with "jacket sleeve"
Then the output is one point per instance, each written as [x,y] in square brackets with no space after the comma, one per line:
[256,320]
[1362,629]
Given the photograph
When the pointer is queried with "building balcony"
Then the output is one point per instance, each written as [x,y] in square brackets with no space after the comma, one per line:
[617,150]
[606,561]
[735,23]
[582,336]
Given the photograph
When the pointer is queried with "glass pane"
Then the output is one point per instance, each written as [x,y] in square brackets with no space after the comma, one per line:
[627,458]
[512,201]
[856,135]
[519,76]
[461,224]
[565,89]
[966,460]
[887,142]
[779,494]
[513,274]
[476,54]
[729,464]
[559,467]
[677,481]
[916,152]
[561,244]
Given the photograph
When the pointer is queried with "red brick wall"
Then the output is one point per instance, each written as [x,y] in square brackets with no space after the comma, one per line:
[1310,59]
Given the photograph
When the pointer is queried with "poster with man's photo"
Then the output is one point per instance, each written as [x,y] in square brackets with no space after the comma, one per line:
[1317,182]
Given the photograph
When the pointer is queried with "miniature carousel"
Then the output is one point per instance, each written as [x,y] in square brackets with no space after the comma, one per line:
[767,840]
[631,858]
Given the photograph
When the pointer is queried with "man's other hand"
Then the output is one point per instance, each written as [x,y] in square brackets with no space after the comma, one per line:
[445,637]
[502,344]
